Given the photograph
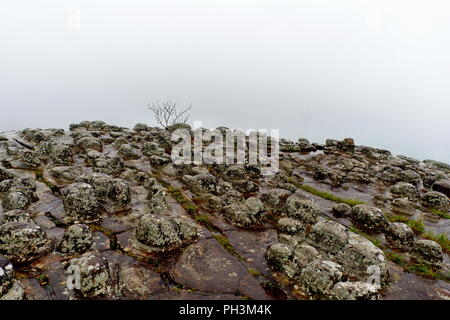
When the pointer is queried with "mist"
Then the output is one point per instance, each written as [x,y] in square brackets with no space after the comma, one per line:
[376,71]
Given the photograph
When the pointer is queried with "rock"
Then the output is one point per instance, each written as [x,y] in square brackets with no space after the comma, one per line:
[6,275]
[281,258]
[369,218]
[443,186]
[361,259]
[80,203]
[138,282]
[128,152]
[328,236]
[245,186]
[61,154]
[305,254]
[165,232]
[160,202]
[250,213]
[320,172]
[232,197]
[292,227]
[16,199]
[77,239]
[200,183]
[5,174]
[428,252]
[207,267]
[347,145]
[342,209]
[120,192]
[274,199]
[23,242]
[91,143]
[17,216]
[113,166]
[399,236]
[65,173]
[304,210]
[30,159]
[139,127]
[404,190]
[320,276]
[412,177]
[16,292]
[403,206]
[160,160]
[93,273]
[354,291]
[436,200]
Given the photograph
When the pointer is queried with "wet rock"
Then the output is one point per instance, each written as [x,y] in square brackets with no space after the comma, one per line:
[403,206]
[30,159]
[250,213]
[165,232]
[113,166]
[16,292]
[342,209]
[17,216]
[328,236]
[128,152]
[120,192]
[206,266]
[292,227]
[347,145]
[204,182]
[428,252]
[232,197]
[64,173]
[61,154]
[281,258]
[160,202]
[399,236]
[245,186]
[304,210]
[160,160]
[412,177]
[23,242]
[320,276]
[404,189]
[138,282]
[436,200]
[80,203]
[93,272]
[15,199]
[77,239]
[6,275]
[369,218]
[90,143]
[273,199]
[443,186]
[354,291]
[360,258]
[320,172]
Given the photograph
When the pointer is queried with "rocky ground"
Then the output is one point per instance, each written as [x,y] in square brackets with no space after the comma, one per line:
[101,212]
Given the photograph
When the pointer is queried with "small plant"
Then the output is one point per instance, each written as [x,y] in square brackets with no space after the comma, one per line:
[225,243]
[417,226]
[167,114]
[440,213]
[396,218]
[441,238]
[326,195]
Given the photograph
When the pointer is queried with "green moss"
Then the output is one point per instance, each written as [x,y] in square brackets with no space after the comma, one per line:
[396,218]
[417,226]
[225,243]
[326,195]
[254,272]
[440,213]
[394,257]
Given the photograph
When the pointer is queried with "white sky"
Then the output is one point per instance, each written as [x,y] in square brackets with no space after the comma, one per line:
[377,71]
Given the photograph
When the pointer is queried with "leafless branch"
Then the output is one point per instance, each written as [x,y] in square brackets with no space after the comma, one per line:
[167,113]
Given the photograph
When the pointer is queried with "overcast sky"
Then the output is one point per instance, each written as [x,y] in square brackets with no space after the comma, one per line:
[377,71]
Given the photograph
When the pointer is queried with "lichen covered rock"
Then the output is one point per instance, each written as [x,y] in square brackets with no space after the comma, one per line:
[369,218]
[165,232]
[80,203]
[354,291]
[304,210]
[436,200]
[23,242]
[250,213]
[428,252]
[320,276]
[399,236]
[77,239]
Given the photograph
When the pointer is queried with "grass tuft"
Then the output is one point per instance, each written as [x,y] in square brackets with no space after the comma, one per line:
[326,195]
[225,243]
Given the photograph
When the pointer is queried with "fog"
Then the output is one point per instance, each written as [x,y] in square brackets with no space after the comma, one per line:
[377,71]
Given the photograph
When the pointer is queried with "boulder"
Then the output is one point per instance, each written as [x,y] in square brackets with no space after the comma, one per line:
[23,242]
[320,276]
[304,210]
[369,218]
[354,291]
[399,236]
[77,239]
[443,186]
[80,203]
[328,236]
[436,200]
[404,190]
[428,252]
